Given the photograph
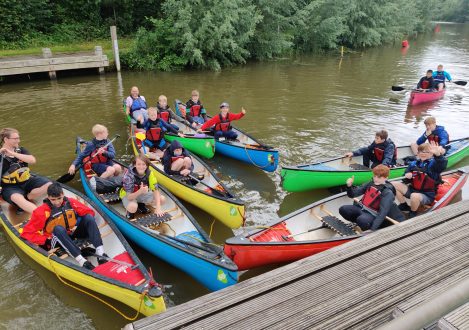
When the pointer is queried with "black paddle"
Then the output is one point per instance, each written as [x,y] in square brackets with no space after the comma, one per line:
[213,248]
[68,177]
[1,171]
[216,191]
[397,88]
[457,82]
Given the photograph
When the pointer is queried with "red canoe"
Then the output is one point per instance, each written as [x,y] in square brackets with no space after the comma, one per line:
[302,233]
[418,97]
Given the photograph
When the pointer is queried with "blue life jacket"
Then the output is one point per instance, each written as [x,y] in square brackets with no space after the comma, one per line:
[138,104]
[439,77]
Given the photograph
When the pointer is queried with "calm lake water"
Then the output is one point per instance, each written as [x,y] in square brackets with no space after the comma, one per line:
[310,108]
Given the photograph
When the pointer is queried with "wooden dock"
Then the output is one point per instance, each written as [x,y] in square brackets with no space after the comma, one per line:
[357,285]
[51,63]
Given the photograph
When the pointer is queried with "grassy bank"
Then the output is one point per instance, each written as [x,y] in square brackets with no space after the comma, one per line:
[88,46]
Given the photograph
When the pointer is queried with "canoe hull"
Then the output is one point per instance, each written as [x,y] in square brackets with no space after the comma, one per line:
[212,276]
[202,146]
[417,97]
[266,160]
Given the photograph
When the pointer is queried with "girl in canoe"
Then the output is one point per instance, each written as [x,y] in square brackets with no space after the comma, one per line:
[136,106]
[99,152]
[381,151]
[18,186]
[177,160]
[164,111]
[222,123]
[155,129]
[140,188]
[195,111]
[377,201]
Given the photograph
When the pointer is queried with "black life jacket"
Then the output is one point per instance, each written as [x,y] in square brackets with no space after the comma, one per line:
[17,171]
[138,180]
[225,123]
[63,215]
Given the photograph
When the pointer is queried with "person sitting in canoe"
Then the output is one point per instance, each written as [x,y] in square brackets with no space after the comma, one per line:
[59,220]
[164,111]
[426,83]
[99,152]
[136,106]
[222,123]
[381,151]
[425,176]
[155,129]
[195,111]
[439,76]
[140,188]
[18,186]
[433,133]
[377,201]
[177,160]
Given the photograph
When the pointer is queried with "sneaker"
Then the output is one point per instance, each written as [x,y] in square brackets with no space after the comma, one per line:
[102,260]
[88,265]
[404,207]
[130,216]
[142,208]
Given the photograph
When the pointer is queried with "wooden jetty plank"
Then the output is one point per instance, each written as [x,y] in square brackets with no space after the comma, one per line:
[217,301]
[458,319]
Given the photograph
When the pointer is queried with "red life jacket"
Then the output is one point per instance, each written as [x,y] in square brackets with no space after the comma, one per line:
[225,123]
[163,114]
[174,158]
[195,110]
[154,134]
[423,182]
[372,198]
[379,153]
[98,158]
[433,138]
[425,84]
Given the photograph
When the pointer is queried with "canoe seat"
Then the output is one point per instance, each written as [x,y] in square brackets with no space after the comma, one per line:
[277,233]
[151,221]
[358,167]
[111,197]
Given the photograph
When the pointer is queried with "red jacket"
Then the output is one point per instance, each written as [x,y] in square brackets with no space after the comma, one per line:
[216,119]
[33,230]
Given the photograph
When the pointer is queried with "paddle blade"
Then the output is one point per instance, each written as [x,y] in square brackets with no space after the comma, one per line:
[397,88]
[67,177]
[460,82]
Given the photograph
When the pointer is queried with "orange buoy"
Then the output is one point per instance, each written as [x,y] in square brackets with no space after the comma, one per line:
[405,43]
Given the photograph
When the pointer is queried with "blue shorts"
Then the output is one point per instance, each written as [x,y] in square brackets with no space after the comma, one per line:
[426,199]
[23,188]
[100,168]
[198,120]
[162,145]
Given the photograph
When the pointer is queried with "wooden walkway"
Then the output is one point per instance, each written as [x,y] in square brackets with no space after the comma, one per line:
[357,285]
[47,62]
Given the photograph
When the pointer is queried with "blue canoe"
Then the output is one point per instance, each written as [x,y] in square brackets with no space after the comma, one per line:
[178,240]
[246,149]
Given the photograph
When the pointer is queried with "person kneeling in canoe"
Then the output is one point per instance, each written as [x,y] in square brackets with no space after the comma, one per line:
[177,160]
[425,176]
[195,111]
[18,186]
[140,188]
[99,152]
[439,76]
[426,83]
[155,129]
[433,133]
[381,151]
[59,221]
[222,123]
[376,204]
[136,106]
[164,111]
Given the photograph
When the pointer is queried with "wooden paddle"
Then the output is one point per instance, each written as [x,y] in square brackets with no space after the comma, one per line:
[68,177]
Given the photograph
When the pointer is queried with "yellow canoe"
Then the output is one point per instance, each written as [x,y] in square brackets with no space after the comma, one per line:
[218,201]
[123,278]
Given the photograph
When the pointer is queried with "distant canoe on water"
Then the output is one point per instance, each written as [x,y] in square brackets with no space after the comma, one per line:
[334,172]
[419,97]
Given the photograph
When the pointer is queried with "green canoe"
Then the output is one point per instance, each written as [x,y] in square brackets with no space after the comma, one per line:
[334,172]
[200,144]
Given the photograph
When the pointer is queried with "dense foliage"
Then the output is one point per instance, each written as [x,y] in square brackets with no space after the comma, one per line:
[174,34]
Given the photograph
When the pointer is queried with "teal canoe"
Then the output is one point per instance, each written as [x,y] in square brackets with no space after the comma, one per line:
[335,172]
[200,144]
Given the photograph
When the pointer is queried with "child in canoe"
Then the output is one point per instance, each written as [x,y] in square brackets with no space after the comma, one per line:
[164,111]
[425,176]
[195,111]
[433,133]
[154,143]
[136,106]
[377,201]
[439,76]
[99,152]
[177,160]
[381,151]
[222,123]
[426,83]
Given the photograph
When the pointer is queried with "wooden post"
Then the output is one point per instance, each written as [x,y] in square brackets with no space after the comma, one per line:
[47,53]
[98,51]
[115,47]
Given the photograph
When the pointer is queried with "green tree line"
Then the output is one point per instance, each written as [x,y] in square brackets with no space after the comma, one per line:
[175,34]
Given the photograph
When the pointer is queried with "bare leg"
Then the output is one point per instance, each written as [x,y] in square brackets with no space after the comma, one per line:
[440,86]
[39,192]
[110,170]
[187,163]
[132,207]
[117,169]
[177,165]
[23,203]
[414,148]
[415,200]
[401,189]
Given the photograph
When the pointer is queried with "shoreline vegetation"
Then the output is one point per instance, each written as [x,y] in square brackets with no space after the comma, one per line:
[172,35]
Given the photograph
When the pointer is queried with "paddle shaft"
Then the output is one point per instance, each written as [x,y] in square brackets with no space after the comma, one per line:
[373,212]
[305,232]
[206,185]
[192,244]
[115,261]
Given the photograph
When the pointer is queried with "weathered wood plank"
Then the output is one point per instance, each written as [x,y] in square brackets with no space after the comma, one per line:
[458,319]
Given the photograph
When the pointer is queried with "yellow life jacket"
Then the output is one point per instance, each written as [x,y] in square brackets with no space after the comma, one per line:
[16,174]
[63,216]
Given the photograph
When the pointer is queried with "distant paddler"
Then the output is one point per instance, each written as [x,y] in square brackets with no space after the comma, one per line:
[427,83]
[195,111]
[440,76]
[18,186]
[220,125]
